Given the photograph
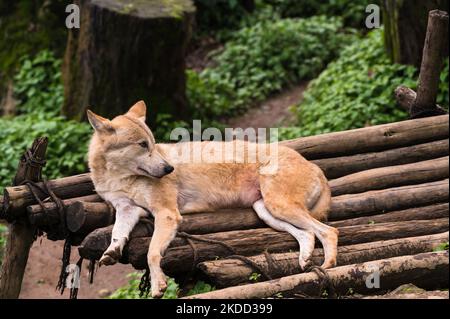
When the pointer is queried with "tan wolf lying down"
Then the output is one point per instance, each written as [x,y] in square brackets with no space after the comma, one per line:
[138,176]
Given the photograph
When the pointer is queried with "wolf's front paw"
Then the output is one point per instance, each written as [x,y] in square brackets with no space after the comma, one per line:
[159,286]
[112,254]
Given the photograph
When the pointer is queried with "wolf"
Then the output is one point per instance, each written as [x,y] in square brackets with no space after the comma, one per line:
[139,177]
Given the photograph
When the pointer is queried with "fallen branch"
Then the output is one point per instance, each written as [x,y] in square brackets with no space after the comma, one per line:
[424,270]
[231,272]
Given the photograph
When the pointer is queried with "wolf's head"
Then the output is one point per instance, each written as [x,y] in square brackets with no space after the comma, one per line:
[126,144]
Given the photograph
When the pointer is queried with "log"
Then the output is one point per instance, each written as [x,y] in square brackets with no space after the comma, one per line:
[21,234]
[241,219]
[406,97]
[17,198]
[416,213]
[354,205]
[340,166]
[426,270]
[109,70]
[392,176]
[392,204]
[250,242]
[37,216]
[373,138]
[430,69]
[231,272]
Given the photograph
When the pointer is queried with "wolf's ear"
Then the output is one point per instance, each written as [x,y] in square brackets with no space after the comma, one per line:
[100,124]
[138,110]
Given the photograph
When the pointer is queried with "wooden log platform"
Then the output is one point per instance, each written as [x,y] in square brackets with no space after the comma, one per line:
[390,200]
[231,272]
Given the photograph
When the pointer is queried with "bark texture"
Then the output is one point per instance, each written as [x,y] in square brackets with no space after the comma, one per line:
[125,52]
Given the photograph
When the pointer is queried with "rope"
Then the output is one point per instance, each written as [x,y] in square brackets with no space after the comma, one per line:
[144,285]
[325,282]
[46,190]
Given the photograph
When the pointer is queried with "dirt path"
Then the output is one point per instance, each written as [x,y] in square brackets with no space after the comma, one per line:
[42,273]
[273,112]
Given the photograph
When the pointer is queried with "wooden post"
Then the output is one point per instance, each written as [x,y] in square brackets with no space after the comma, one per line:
[435,44]
[21,233]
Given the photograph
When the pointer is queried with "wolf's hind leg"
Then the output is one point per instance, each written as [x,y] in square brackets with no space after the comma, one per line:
[305,238]
[166,225]
[127,216]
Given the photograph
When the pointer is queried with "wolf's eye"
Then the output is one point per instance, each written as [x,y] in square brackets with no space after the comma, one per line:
[143,144]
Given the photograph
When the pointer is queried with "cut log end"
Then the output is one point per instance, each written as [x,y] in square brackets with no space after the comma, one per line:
[75,216]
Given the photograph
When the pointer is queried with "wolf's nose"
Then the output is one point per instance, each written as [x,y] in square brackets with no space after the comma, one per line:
[168,169]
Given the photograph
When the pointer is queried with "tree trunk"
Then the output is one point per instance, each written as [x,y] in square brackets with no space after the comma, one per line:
[405,25]
[231,272]
[427,270]
[128,52]
[249,242]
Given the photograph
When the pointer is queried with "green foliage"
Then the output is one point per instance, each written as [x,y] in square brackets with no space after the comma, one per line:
[443,93]
[39,90]
[3,231]
[131,291]
[441,247]
[38,87]
[200,288]
[212,15]
[28,26]
[254,277]
[252,66]
[356,90]
[65,153]
[352,11]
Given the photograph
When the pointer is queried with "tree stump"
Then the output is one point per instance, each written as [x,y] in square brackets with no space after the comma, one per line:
[127,51]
